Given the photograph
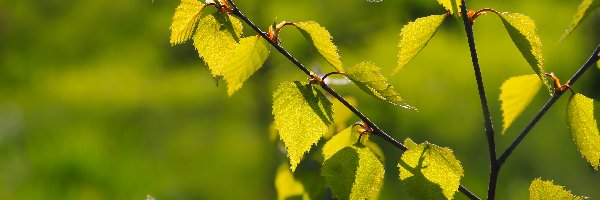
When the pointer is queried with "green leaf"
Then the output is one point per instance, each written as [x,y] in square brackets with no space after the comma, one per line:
[342,114]
[585,8]
[450,5]
[522,29]
[515,95]
[302,115]
[185,18]
[368,77]
[322,40]
[542,190]
[414,36]
[247,58]
[354,173]
[287,186]
[584,127]
[429,171]
[346,138]
[216,39]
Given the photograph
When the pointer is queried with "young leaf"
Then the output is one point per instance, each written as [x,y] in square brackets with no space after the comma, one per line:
[414,36]
[185,18]
[322,40]
[585,8]
[521,29]
[345,138]
[302,115]
[542,190]
[515,94]
[287,186]
[368,78]
[354,173]
[584,128]
[248,57]
[343,114]
[451,6]
[216,39]
[429,171]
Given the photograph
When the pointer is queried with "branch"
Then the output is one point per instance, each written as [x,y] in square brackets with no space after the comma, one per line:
[591,61]
[376,130]
[489,129]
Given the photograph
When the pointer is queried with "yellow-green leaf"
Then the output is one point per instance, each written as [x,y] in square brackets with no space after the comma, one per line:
[342,114]
[429,171]
[368,77]
[216,39]
[414,36]
[248,57]
[515,94]
[185,18]
[584,127]
[354,173]
[302,115]
[348,137]
[585,8]
[451,6]
[522,29]
[287,186]
[322,40]
[542,190]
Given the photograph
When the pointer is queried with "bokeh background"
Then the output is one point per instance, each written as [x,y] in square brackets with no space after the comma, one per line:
[96,104]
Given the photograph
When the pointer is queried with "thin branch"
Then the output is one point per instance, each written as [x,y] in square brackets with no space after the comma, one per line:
[489,129]
[376,130]
[591,61]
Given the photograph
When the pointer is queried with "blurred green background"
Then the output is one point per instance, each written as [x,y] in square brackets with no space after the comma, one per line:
[95,103]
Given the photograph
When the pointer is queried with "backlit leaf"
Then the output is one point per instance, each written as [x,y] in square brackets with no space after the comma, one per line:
[322,40]
[217,37]
[414,36]
[584,127]
[429,171]
[542,190]
[450,5]
[354,172]
[343,114]
[185,18]
[585,8]
[302,115]
[515,95]
[348,137]
[522,29]
[368,77]
[248,57]
[287,186]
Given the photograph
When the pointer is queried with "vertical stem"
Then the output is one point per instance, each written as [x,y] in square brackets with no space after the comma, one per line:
[489,129]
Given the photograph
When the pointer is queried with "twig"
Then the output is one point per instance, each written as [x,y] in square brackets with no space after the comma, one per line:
[591,61]
[489,129]
[376,130]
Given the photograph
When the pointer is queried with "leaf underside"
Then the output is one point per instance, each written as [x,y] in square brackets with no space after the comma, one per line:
[322,40]
[542,190]
[516,94]
[414,37]
[247,58]
[184,20]
[583,126]
[585,8]
[429,171]
[216,39]
[368,78]
[354,172]
[522,31]
[302,115]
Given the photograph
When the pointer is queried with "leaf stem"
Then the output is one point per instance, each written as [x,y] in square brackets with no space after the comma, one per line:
[489,129]
[557,94]
[376,130]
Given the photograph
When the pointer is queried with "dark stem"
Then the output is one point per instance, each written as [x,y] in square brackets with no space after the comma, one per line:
[591,61]
[376,130]
[489,129]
